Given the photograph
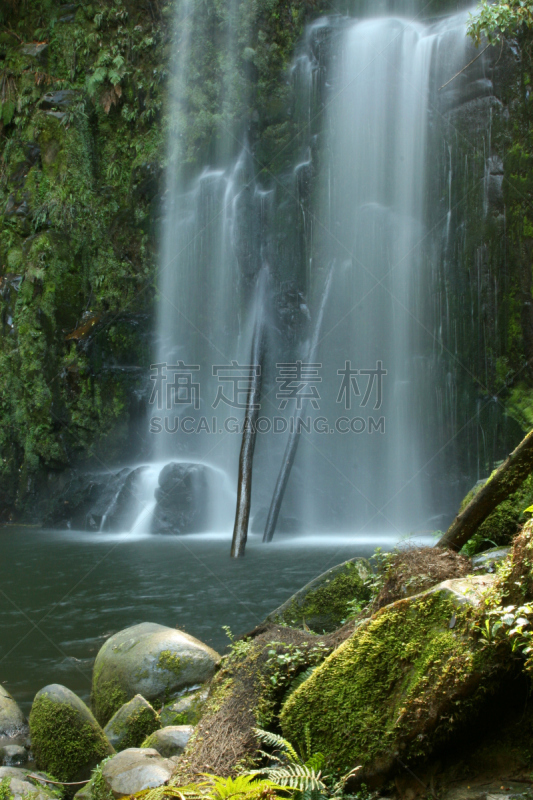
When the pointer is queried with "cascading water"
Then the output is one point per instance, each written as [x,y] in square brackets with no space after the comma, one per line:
[371,218]
[365,95]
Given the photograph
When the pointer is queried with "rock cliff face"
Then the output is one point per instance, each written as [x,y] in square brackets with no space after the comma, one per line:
[83,124]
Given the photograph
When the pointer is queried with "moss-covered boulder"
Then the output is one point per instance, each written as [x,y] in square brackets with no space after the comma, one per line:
[12,720]
[16,784]
[170,741]
[133,770]
[400,685]
[132,723]
[67,741]
[324,603]
[185,710]
[151,660]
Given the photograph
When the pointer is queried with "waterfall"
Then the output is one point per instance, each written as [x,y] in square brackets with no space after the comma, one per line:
[365,93]
[371,216]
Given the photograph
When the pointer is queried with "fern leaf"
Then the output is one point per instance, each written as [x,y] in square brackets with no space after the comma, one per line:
[274,740]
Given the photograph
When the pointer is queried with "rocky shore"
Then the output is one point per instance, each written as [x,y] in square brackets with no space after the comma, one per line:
[410,676]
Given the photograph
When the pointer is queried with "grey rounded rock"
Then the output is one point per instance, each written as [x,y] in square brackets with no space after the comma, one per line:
[151,660]
[20,785]
[13,755]
[132,723]
[136,769]
[170,741]
[12,720]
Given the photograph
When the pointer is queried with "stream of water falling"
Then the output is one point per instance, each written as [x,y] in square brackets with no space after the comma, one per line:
[367,160]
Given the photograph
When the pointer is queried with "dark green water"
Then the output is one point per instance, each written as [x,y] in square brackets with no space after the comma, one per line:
[63,593]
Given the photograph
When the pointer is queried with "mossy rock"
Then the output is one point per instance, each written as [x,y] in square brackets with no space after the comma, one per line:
[67,741]
[402,683]
[151,660]
[185,710]
[16,783]
[324,603]
[132,723]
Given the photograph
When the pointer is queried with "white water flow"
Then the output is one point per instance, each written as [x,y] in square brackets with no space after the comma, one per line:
[372,220]
[368,164]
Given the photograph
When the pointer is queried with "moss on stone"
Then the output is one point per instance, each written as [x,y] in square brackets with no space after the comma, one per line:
[171,662]
[396,680]
[106,699]
[140,725]
[62,743]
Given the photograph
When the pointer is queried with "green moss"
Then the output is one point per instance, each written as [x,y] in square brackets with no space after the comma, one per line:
[327,606]
[106,699]
[500,527]
[173,663]
[62,744]
[140,725]
[376,694]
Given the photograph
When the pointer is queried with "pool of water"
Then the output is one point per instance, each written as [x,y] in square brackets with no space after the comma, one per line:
[62,593]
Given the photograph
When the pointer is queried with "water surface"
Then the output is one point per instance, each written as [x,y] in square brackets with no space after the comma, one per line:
[63,592]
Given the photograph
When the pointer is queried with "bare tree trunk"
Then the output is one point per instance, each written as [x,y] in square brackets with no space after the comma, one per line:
[244,490]
[504,482]
[294,437]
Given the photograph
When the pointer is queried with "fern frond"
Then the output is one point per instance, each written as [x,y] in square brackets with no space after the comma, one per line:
[316,762]
[274,740]
[295,776]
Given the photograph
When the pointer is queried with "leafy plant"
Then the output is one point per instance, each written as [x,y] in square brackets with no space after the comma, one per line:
[509,623]
[238,649]
[496,19]
[302,771]
[243,787]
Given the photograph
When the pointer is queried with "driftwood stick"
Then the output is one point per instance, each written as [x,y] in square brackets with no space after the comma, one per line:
[506,480]
[294,436]
[244,490]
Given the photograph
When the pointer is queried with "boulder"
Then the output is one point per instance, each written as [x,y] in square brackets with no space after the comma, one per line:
[180,497]
[132,723]
[67,741]
[186,710]
[20,785]
[170,741]
[136,769]
[486,561]
[13,755]
[12,720]
[151,660]
[402,684]
[324,603]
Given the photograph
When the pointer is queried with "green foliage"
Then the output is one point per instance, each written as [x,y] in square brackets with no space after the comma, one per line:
[302,773]
[495,19]
[284,664]
[510,624]
[5,791]
[237,649]
[302,770]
